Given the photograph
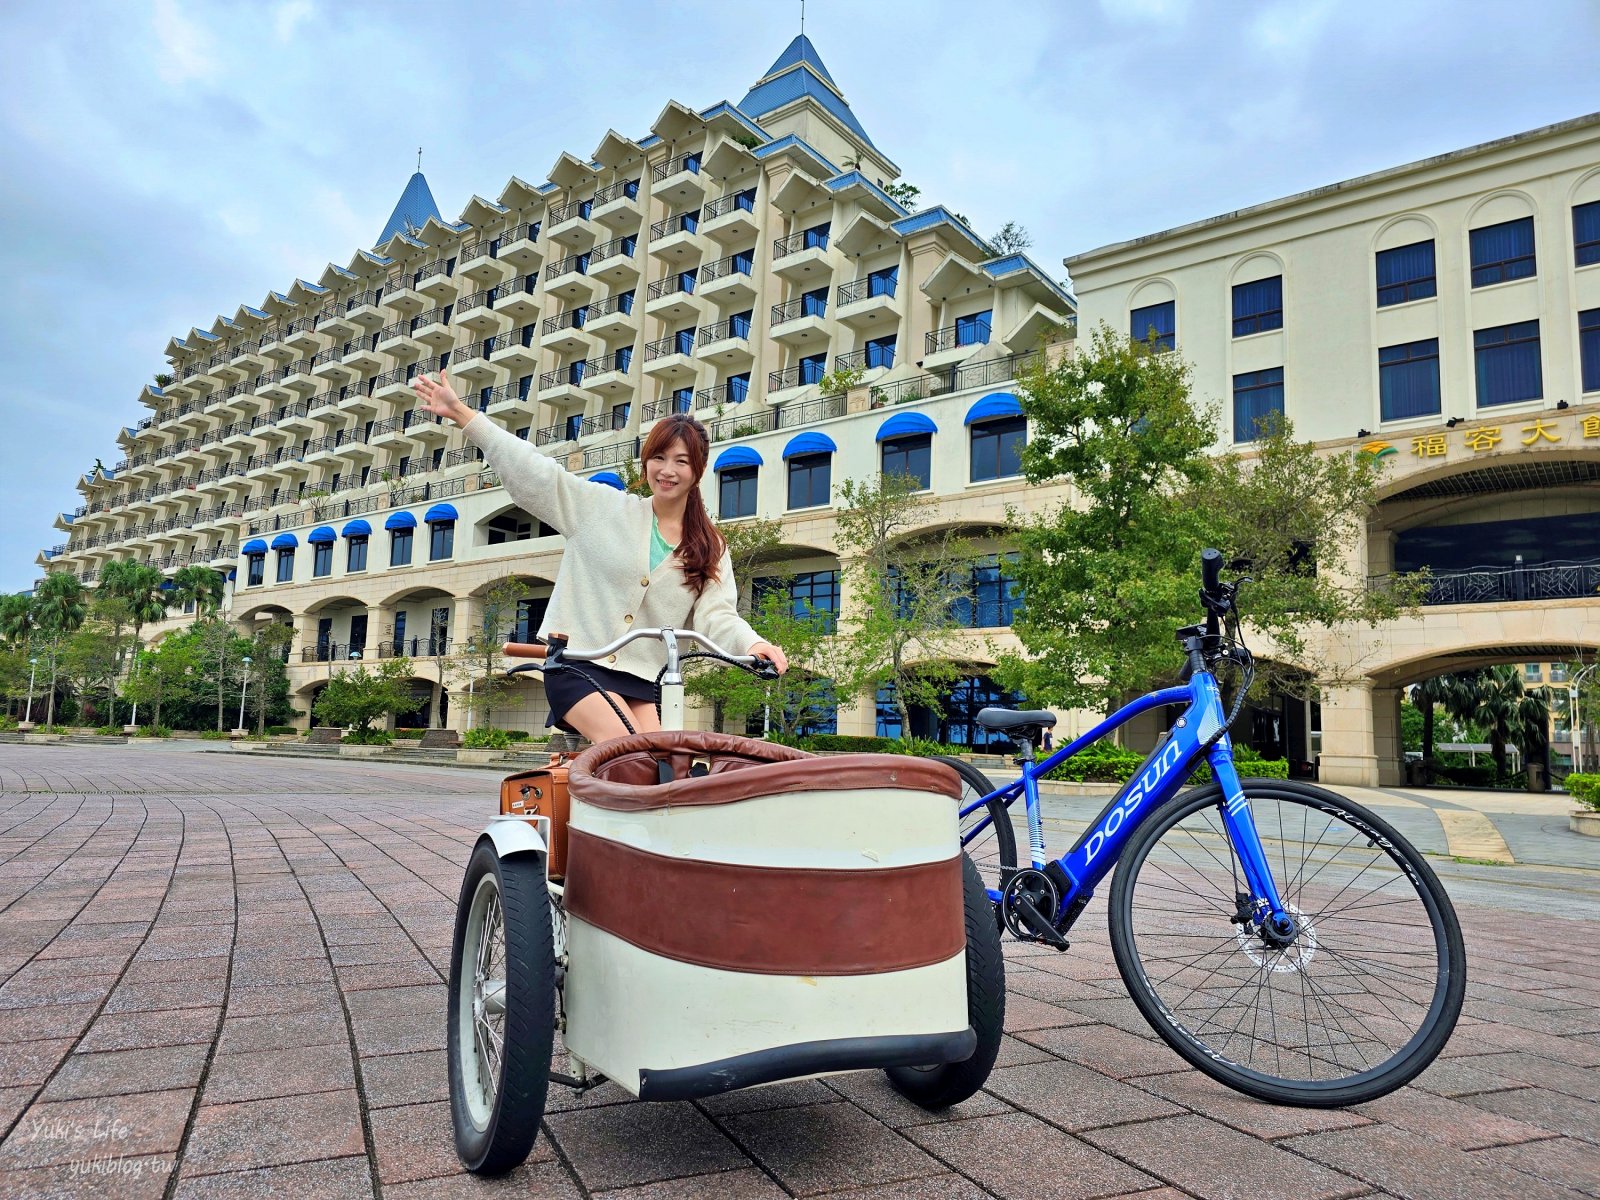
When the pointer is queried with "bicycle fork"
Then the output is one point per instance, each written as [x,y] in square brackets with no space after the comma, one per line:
[1261,907]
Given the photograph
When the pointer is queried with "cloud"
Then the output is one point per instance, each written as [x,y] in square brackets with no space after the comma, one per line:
[289,17]
[187,51]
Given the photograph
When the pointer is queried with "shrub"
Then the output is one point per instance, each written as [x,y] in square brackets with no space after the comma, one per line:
[409,735]
[1481,776]
[281,730]
[517,735]
[1585,789]
[1100,763]
[214,735]
[486,739]
[108,730]
[368,737]
[1247,764]
[8,723]
[155,731]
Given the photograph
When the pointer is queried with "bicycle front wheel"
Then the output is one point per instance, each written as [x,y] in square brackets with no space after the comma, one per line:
[1357,1004]
[994,845]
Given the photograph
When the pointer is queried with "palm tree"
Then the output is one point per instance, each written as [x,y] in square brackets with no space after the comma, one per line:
[143,593]
[200,586]
[18,620]
[1510,713]
[60,609]
[1456,693]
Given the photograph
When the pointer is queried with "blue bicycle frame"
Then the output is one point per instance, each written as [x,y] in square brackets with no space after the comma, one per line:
[1200,730]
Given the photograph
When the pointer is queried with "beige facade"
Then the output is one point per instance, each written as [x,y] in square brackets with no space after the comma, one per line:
[743,262]
[1433,314]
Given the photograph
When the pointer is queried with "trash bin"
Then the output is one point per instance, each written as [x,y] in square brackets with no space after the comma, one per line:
[1538,777]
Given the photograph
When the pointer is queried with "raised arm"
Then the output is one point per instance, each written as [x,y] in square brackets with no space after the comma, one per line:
[536,481]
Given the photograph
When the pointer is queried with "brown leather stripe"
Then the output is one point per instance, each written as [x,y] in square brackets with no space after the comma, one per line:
[621,774]
[768,920]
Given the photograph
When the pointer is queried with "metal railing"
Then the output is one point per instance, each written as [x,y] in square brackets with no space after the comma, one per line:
[574,373]
[572,264]
[609,456]
[414,647]
[687,162]
[1560,580]
[747,425]
[800,306]
[728,203]
[799,375]
[806,239]
[664,407]
[578,208]
[622,302]
[721,393]
[733,327]
[684,222]
[950,337]
[863,289]
[625,187]
[622,247]
[571,318]
[681,342]
[678,281]
[546,435]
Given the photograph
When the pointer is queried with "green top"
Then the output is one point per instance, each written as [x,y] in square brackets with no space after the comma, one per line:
[659,549]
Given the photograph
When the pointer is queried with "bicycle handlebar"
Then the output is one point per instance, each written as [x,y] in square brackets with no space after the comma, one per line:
[524,650]
[1211,570]
[670,636]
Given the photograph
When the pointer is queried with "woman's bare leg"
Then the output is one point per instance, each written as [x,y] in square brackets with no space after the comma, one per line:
[643,715]
[595,720]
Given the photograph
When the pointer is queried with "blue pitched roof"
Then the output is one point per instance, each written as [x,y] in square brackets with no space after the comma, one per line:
[412,212]
[799,72]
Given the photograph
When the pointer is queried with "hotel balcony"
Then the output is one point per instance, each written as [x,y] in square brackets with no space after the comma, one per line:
[323,405]
[273,385]
[520,247]
[231,369]
[329,366]
[436,280]
[504,400]
[366,309]
[678,180]
[474,311]
[294,419]
[868,362]
[335,321]
[322,450]
[517,352]
[730,219]
[552,435]
[616,262]
[610,375]
[800,321]
[664,406]
[802,257]
[427,428]
[676,240]
[617,205]
[433,330]
[569,278]
[393,431]
[569,224]
[516,299]
[953,343]
[401,298]
[612,317]
[604,422]
[363,357]
[299,379]
[566,334]
[565,387]
[300,335]
[727,280]
[481,265]
[248,358]
[473,362]
[260,466]
[727,343]
[865,302]
[398,339]
[671,358]
[730,393]
[672,298]
[395,384]
[786,385]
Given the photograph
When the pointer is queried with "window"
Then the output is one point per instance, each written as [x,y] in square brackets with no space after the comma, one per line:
[1157,319]
[441,540]
[285,566]
[400,548]
[625,301]
[255,575]
[744,261]
[683,341]
[619,415]
[572,427]
[1508,367]
[682,399]
[1408,380]
[973,329]
[739,323]
[356,558]
[1501,252]
[358,633]
[880,351]
[997,448]
[686,280]
[911,456]
[1532,672]
[530,615]
[810,480]
[813,594]
[816,238]
[524,431]
[738,387]
[813,367]
[1589,348]
[691,163]
[622,359]
[1257,306]
[1586,234]
[737,493]
[322,560]
[1406,273]
[992,598]
[814,303]
[1257,397]
[883,281]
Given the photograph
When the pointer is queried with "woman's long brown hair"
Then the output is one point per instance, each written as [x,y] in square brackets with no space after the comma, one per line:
[700,548]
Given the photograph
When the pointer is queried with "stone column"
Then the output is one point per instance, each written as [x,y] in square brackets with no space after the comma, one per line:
[1349,751]
[1387,744]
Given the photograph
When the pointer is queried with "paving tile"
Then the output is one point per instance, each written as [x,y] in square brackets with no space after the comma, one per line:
[1582,1082]
[1449,1121]
[417,1078]
[1074,1097]
[279,1031]
[1205,1095]
[291,1071]
[58,1133]
[1565,1161]
[31,1062]
[624,1145]
[386,1035]
[870,1090]
[387,975]
[141,997]
[789,1094]
[826,1147]
[347,1178]
[45,1021]
[1213,1162]
[746,1184]
[265,1133]
[1455,1077]
[1407,1164]
[124,1072]
[124,1177]
[1113,1052]
[1545,1108]
[1020,1156]
[257,1000]
[933,1187]
[543,1180]
[175,970]
[158,1027]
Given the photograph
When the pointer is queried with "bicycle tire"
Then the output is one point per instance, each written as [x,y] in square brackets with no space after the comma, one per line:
[995,847]
[496,1107]
[1366,995]
[941,1086]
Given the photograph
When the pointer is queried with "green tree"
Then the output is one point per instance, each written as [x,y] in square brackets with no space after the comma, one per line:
[92,654]
[903,193]
[1509,713]
[60,607]
[903,635]
[359,697]
[1010,239]
[269,649]
[481,664]
[140,589]
[200,586]
[18,620]
[164,672]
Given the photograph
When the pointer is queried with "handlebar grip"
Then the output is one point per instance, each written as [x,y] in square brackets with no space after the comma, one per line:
[1210,570]
[523,650]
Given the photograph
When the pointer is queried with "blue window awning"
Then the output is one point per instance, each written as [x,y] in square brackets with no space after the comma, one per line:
[995,404]
[285,541]
[737,456]
[254,546]
[610,479]
[232,575]
[905,425]
[809,443]
[440,512]
[356,528]
[167,585]
[400,520]
[322,534]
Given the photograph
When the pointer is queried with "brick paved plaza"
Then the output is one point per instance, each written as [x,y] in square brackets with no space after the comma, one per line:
[224,977]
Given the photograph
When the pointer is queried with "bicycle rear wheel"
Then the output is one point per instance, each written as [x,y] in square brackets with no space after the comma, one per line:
[1358,1004]
[995,846]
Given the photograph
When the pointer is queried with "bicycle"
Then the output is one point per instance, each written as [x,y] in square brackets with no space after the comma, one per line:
[1282,939]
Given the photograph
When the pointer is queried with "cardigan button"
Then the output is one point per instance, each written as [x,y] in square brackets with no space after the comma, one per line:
[612,659]
[644,582]
[628,619]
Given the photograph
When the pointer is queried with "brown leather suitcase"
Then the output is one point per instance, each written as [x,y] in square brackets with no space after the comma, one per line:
[542,792]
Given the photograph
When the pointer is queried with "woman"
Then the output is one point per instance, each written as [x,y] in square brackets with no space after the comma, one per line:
[629,561]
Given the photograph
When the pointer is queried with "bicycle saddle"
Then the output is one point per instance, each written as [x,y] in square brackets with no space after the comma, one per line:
[1009,718]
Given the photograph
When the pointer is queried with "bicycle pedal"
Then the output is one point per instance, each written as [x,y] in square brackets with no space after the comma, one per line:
[1039,925]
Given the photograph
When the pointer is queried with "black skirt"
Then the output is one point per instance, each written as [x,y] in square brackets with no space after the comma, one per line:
[567,685]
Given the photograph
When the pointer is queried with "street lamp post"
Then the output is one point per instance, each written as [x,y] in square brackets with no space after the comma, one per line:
[244,690]
[1576,692]
[33,667]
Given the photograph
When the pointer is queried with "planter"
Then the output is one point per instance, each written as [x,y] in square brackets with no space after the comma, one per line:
[40,738]
[479,756]
[1585,821]
[361,751]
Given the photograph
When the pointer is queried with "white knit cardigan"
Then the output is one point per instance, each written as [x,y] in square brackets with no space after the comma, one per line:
[605,586]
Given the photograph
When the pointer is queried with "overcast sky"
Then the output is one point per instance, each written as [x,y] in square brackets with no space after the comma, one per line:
[167,160]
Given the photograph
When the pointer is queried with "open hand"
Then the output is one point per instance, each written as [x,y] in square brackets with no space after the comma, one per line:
[440,399]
